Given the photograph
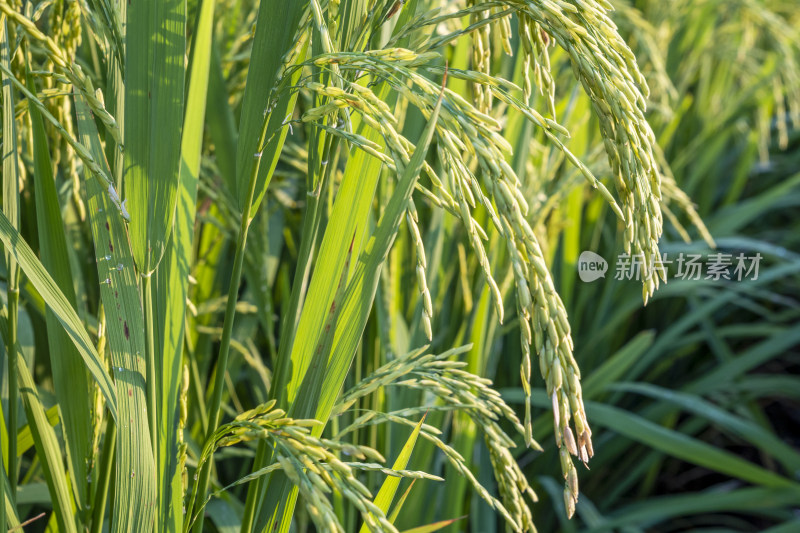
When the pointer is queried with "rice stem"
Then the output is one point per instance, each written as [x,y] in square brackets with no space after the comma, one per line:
[230,315]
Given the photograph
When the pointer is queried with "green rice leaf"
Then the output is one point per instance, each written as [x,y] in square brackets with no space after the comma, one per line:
[48,450]
[10,158]
[11,175]
[8,511]
[349,217]
[766,441]
[364,283]
[655,510]
[389,487]
[135,480]
[24,435]
[69,374]
[276,30]
[155,34]
[618,364]
[684,447]
[399,505]
[64,312]
[172,279]
[436,526]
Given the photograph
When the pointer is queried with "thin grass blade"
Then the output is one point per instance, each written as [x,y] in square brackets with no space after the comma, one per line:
[436,526]
[25,437]
[399,505]
[48,450]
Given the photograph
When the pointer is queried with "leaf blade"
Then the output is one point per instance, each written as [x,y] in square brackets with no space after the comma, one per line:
[69,375]
[47,449]
[171,280]
[154,82]
[135,478]
[271,41]
[56,301]
[383,499]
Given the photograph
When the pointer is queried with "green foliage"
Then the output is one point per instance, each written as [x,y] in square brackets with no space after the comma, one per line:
[253,248]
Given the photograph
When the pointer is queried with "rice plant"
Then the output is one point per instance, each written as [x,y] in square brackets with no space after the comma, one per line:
[686,426]
[261,258]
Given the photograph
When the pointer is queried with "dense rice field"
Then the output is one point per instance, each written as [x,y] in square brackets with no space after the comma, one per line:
[384,265]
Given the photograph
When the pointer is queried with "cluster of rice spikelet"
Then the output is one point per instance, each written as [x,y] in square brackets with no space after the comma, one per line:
[474,171]
[457,390]
[472,174]
[313,464]
[606,67]
[64,67]
[65,29]
[469,140]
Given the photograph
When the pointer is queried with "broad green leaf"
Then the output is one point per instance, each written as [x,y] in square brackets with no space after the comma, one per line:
[309,389]
[669,508]
[155,49]
[276,30]
[389,487]
[135,480]
[172,279]
[364,282]
[48,450]
[766,441]
[683,446]
[56,301]
[69,375]
[350,216]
